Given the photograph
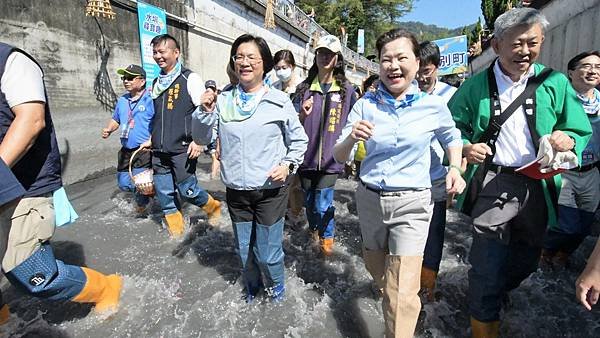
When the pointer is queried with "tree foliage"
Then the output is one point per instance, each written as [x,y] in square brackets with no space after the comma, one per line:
[492,9]
[374,16]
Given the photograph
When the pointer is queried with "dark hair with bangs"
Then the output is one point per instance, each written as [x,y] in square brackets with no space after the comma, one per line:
[429,54]
[574,62]
[263,48]
[285,55]
[395,34]
[164,38]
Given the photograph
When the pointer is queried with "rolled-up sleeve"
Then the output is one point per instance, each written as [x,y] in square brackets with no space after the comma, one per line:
[447,133]
[204,125]
[296,140]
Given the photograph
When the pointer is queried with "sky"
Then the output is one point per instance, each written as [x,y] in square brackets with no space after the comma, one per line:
[445,13]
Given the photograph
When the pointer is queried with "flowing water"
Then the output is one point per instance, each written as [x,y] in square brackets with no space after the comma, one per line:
[191,287]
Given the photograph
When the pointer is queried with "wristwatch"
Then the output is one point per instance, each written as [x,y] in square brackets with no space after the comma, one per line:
[291,166]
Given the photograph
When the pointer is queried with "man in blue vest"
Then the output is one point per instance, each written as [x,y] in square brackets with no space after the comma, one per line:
[28,147]
[176,93]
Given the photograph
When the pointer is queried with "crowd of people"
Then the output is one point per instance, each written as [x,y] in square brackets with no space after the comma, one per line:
[280,147]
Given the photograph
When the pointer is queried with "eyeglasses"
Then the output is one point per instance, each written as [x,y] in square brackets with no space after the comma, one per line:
[252,59]
[129,78]
[589,66]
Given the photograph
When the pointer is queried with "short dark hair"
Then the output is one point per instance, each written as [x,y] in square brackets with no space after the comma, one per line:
[285,55]
[263,48]
[574,62]
[395,34]
[163,38]
[369,81]
[430,53]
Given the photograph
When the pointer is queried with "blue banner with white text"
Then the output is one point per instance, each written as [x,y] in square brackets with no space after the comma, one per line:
[453,55]
[152,22]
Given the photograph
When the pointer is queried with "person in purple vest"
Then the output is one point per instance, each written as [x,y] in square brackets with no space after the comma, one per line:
[323,101]
[29,148]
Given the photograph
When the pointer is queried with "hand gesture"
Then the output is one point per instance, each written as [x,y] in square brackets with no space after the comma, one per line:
[476,153]
[106,132]
[561,141]
[194,150]
[455,184]
[279,173]
[306,108]
[362,130]
[208,100]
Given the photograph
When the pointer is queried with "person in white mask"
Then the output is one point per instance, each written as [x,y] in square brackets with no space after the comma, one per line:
[285,67]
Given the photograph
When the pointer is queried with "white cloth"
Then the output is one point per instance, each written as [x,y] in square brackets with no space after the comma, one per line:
[196,88]
[514,146]
[22,80]
[549,159]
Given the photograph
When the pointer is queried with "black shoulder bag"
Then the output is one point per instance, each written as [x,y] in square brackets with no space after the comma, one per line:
[497,119]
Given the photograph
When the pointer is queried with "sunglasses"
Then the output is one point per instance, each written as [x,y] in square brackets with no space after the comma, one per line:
[130,78]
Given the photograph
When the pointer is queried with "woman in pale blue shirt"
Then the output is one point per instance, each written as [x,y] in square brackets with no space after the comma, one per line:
[397,124]
[262,142]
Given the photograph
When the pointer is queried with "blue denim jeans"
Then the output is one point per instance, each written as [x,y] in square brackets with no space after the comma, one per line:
[435,239]
[165,193]
[43,276]
[320,211]
[574,225]
[126,184]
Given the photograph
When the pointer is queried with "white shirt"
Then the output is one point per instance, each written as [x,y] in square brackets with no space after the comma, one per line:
[444,90]
[514,146]
[195,88]
[22,80]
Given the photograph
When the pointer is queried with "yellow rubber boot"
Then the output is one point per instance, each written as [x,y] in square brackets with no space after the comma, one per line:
[428,278]
[175,224]
[213,210]
[484,329]
[100,289]
[327,246]
[4,314]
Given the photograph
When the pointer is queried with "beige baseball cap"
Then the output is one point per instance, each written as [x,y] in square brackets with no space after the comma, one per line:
[330,42]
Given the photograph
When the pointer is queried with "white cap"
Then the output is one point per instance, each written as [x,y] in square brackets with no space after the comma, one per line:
[330,42]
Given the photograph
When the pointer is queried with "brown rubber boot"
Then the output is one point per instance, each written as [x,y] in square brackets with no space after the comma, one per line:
[175,224]
[375,264]
[401,303]
[100,289]
[428,278]
[484,329]
[212,208]
[4,314]
[326,246]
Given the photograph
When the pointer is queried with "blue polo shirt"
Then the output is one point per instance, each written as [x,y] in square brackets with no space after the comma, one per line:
[141,111]
[10,188]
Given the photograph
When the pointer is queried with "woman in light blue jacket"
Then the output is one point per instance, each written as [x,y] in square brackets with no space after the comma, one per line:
[262,143]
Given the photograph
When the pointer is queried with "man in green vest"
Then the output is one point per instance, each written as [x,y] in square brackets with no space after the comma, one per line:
[511,211]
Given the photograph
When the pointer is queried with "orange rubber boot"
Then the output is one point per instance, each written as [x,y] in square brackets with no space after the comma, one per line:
[213,210]
[175,224]
[4,314]
[327,246]
[100,289]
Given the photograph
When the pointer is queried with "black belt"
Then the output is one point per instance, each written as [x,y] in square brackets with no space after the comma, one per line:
[501,169]
[586,167]
[381,192]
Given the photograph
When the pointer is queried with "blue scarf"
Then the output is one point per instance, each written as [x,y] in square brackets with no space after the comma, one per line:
[382,96]
[239,105]
[591,105]
[164,81]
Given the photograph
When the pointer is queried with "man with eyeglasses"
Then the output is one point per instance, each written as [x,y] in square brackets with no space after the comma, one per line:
[580,192]
[176,92]
[133,114]
[427,77]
